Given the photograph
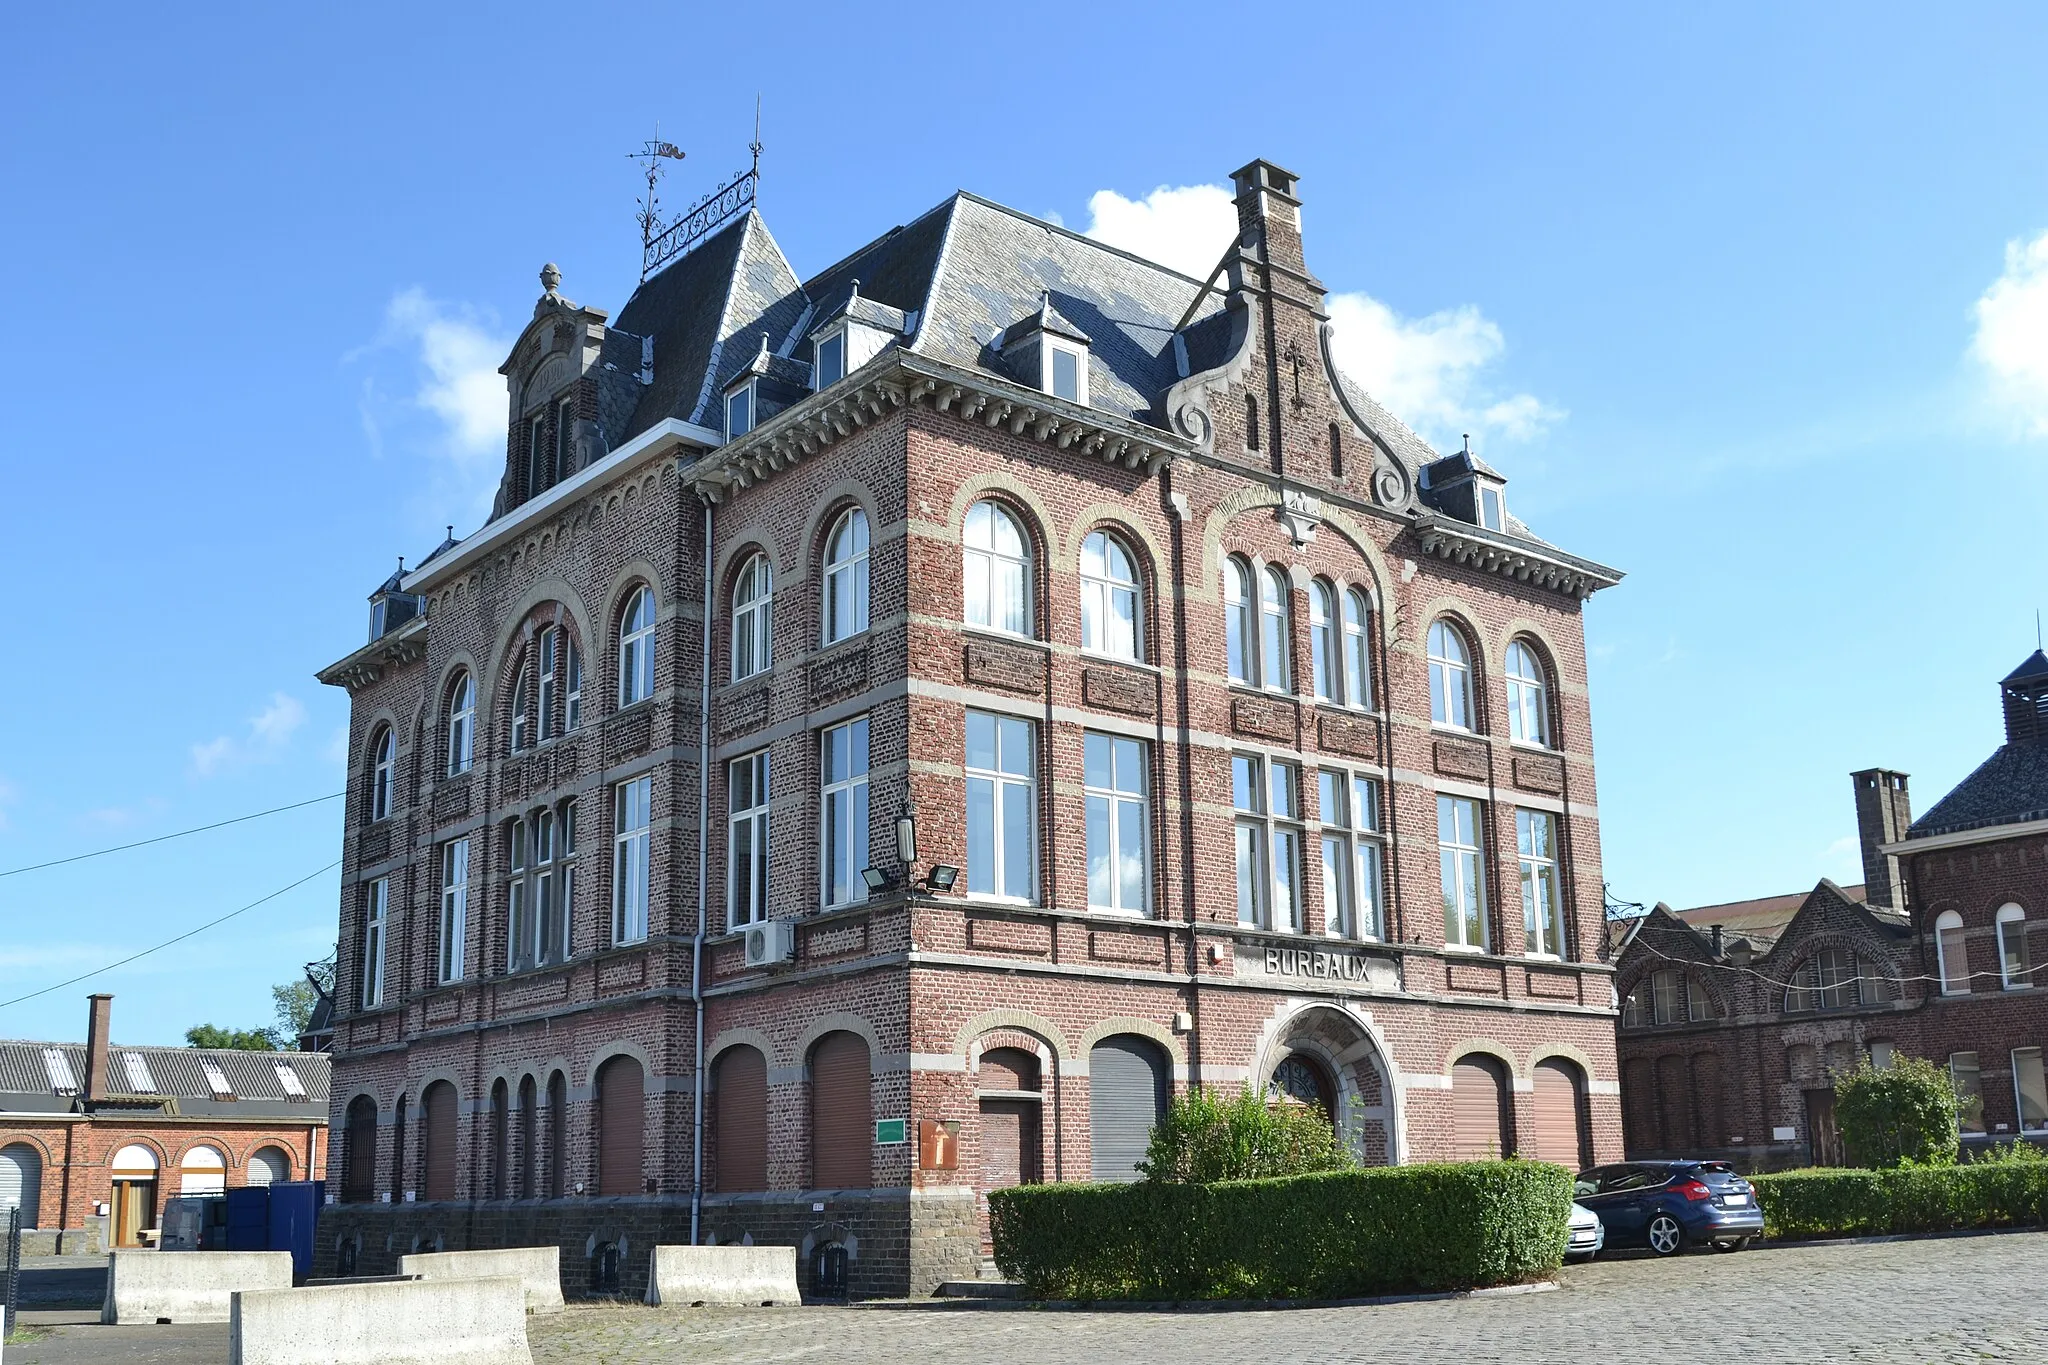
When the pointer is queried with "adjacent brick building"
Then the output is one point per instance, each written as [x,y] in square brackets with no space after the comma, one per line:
[94,1137]
[1737,1017]
[1098,694]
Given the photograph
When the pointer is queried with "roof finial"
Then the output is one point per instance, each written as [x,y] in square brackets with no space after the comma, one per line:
[401,563]
[853,290]
[451,530]
[1468,443]
[550,278]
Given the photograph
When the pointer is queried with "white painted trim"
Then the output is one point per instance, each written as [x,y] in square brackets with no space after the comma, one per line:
[1990,834]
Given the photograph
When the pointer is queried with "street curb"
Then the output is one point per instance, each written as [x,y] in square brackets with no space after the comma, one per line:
[1795,1243]
[1192,1305]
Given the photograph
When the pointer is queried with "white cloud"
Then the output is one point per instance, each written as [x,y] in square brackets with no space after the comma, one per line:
[2012,333]
[434,390]
[269,732]
[460,383]
[1428,371]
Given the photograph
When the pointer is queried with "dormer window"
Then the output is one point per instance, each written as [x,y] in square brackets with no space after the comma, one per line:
[1492,512]
[1067,374]
[739,412]
[1045,350]
[831,359]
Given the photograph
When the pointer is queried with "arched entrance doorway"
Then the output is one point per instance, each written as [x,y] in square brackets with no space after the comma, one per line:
[134,1172]
[1325,1057]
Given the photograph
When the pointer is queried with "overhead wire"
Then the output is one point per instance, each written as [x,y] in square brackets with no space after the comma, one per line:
[180,834]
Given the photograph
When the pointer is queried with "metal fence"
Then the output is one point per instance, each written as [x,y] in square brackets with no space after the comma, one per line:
[10,1283]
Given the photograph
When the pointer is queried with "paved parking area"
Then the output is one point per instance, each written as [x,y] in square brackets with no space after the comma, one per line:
[1970,1299]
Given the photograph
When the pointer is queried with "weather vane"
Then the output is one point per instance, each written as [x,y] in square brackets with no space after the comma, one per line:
[651,155]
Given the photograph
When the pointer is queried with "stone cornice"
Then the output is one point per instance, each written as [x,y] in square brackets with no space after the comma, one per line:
[1545,566]
[369,663]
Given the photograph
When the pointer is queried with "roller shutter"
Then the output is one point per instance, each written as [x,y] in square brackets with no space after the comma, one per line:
[439,1141]
[842,1114]
[1478,1118]
[1560,1137]
[359,1176]
[740,1091]
[1126,1096]
[268,1166]
[622,1126]
[21,1181]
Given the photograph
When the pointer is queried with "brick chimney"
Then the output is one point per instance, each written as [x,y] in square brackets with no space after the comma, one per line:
[1883,811]
[1269,206]
[96,1044]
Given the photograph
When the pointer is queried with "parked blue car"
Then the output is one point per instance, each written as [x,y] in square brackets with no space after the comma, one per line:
[1668,1206]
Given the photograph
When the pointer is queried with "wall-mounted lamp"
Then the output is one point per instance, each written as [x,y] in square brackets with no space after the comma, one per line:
[875,877]
[942,877]
[906,836]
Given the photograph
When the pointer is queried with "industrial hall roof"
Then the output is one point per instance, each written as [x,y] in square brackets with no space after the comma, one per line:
[50,1078]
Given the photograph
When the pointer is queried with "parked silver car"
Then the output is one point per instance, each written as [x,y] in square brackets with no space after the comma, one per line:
[1587,1235]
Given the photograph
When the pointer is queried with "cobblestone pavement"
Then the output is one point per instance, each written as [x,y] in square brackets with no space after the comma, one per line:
[1970,1299]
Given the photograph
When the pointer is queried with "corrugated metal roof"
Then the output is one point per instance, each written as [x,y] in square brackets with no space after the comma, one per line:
[174,1072]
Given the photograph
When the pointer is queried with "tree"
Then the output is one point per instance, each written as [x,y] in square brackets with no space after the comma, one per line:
[1904,1115]
[231,1039]
[294,1000]
[1207,1136]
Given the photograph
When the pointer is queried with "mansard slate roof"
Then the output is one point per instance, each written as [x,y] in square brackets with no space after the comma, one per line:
[180,1084]
[2007,788]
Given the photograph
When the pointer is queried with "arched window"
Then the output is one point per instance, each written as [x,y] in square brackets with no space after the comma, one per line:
[501,1143]
[842,1113]
[1240,626]
[753,639]
[1302,1080]
[529,1139]
[437,1141]
[996,571]
[21,1182]
[558,1136]
[846,576]
[383,761]
[1109,598]
[1828,980]
[1276,635]
[1479,1111]
[1251,422]
[1561,1131]
[1952,952]
[1357,655]
[2012,948]
[1336,452]
[739,1092]
[1450,678]
[522,710]
[269,1165]
[1667,997]
[1528,697]
[1127,1094]
[1325,662]
[461,724]
[636,648]
[621,1126]
[550,652]
[203,1170]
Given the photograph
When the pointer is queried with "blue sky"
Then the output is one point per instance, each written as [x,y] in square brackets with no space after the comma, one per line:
[1751,303]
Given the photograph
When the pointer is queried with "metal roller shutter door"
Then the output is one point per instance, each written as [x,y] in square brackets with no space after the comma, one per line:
[842,1114]
[440,1141]
[1126,1094]
[21,1181]
[1557,1116]
[1477,1132]
[622,1126]
[742,1098]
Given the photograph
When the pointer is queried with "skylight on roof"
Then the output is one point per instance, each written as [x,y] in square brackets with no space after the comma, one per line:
[140,1082]
[217,1081]
[59,1066]
[289,1079]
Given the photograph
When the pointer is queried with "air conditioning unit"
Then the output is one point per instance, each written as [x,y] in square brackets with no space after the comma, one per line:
[770,941]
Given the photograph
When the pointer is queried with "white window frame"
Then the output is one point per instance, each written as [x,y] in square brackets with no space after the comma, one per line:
[1975,1070]
[2013,976]
[376,918]
[1357,649]
[549,648]
[1450,677]
[1492,507]
[462,724]
[1528,696]
[1325,661]
[1240,621]
[545,888]
[819,381]
[1052,350]
[1955,977]
[1462,872]
[753,617]
[843,828]
[632,845]
[1276,629]
[2024,1060]
[1116,788]
[747,778]
[742,401]
[1543,919]
[1353,854]
[990,571]
[519,906]
[1104,629]
[1003,787]
[383,769]
[572,691]
[636,647]
[454,909]
[1266,796]
[565,862]
[536,453]
[846,576]
[522,702]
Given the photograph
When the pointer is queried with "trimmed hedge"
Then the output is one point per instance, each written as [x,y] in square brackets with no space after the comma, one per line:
[1856,1203]
[1332,1235]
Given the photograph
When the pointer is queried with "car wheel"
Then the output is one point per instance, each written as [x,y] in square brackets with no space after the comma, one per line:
[1666,1237]
[1736,1245]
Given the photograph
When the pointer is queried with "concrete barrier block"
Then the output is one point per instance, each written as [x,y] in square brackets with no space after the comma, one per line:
[733,1275]
[539,1268]
[406,1322]
[187,1286]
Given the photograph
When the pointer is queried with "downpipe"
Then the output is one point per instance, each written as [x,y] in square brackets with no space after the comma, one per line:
[703,894]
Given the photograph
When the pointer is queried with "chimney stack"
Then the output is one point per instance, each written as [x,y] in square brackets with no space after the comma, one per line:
[1717,941]
[97,1045]
[1883,811]
[1269,208]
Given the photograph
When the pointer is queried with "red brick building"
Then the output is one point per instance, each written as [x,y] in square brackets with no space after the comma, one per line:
[1737,1017]
[102,1131]
[912,719]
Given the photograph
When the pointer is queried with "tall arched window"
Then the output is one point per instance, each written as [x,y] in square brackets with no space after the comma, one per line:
[739,1096]
[1109,598]
[461,724]
[621,1126]
[1952,951]
[842,1113]
[1528,697]
[383,762]
[1357,655]
[1240,626]
[359,1164]
[558,1136]
[636,648]
[996,571]
[1450,678]
[753,639]
[1325,662]
[1276,636]
[522,710]
[501,1143]
[2012,948]
[846,576]
[529,1140]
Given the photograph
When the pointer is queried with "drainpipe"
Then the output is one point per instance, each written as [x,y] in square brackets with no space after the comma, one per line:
[703,894]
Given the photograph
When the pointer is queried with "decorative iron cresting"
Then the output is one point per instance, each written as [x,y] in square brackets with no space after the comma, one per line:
[661,243]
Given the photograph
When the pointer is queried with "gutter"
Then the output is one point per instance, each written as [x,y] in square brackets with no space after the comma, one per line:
[703,893]
[1960,838]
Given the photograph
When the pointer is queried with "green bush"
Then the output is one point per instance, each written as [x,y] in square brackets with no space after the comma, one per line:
[1851,1203]
[1904,1115]
[1206,1137]
[1339,1234]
